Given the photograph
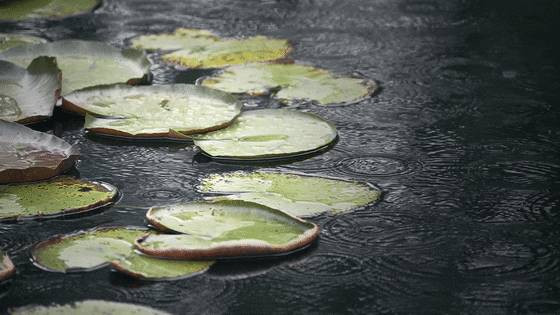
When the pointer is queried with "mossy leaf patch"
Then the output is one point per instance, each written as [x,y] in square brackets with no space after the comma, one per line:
[268,133]
[29,95]
[297,194]
[8,41]
[194,48]
[88,307]
[86,63]
[291,82]
[7,268]
[50,9]
[29,155]
[226,228]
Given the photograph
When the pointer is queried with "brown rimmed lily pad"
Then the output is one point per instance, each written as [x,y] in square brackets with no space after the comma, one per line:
[225,229]
[29,95]
[29,155]
[54,198]
[153,268]
[88,307]
[7,268]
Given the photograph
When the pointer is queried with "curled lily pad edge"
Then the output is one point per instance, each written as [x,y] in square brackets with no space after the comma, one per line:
[8,268]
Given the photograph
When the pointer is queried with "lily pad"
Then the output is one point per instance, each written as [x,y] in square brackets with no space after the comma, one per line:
[300,195]
[268,133]
[97,248]
[291,82]
[158,111]
[86,63]
[29,155]
[194,48]
[8,41]
[29,95]
[51,9]
[88,307]
[226,228]
[58,197]
[7,268]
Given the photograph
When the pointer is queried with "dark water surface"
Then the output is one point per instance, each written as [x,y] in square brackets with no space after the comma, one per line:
[464,139]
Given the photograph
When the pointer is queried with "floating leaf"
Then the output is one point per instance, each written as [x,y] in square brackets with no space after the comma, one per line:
[7,268]
[86,63]
[28,155]
[8,41]
[29,95]
[268,133]
[52,9]
[225,229]
[291,82]
[158,111]
[297,194]
[57,197]
[97,248]
[87,307]
[195,48]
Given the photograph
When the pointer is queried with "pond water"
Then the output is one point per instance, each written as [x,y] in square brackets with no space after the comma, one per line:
[463,139]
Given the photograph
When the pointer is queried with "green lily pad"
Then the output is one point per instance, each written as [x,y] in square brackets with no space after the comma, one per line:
[195,48]
[8,41]
[86,63]
[88,307]
[97,248]
[268,133]
[225,228]
[51,9]
[29,95]
[291,82]
[29,155]
[300,195]
[7,268]
[58,197]
[158,111]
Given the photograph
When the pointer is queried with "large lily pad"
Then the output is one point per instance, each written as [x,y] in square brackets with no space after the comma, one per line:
[28,155]
[225,228]
[58,197]
[195,48]
[29,95]
[7,268]
[300,195]
[291,82]
[86,63]
[268,133]
[8,41]
[88,307]
[158,111]
[16,10]
[97,248]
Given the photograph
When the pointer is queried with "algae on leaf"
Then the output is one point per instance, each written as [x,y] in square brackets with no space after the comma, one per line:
[29,95]
[8,41]
[53,198]
[291,82]
[29,155]
[7,268]
[158,111]
[300,195]
[225,228]
[194,48]
[51,9]
[86,63]
[268,133]
[88,307]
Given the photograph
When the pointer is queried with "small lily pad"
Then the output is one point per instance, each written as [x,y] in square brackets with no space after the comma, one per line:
[97,248]
[58,197]
[225,228]
[29,95]
[291,82]
[300,195]
[195,48]
[8,41]
[88,307]
[52,9]
[158,111]
[86,63]
[268,133]
[29,155]
[7,268]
